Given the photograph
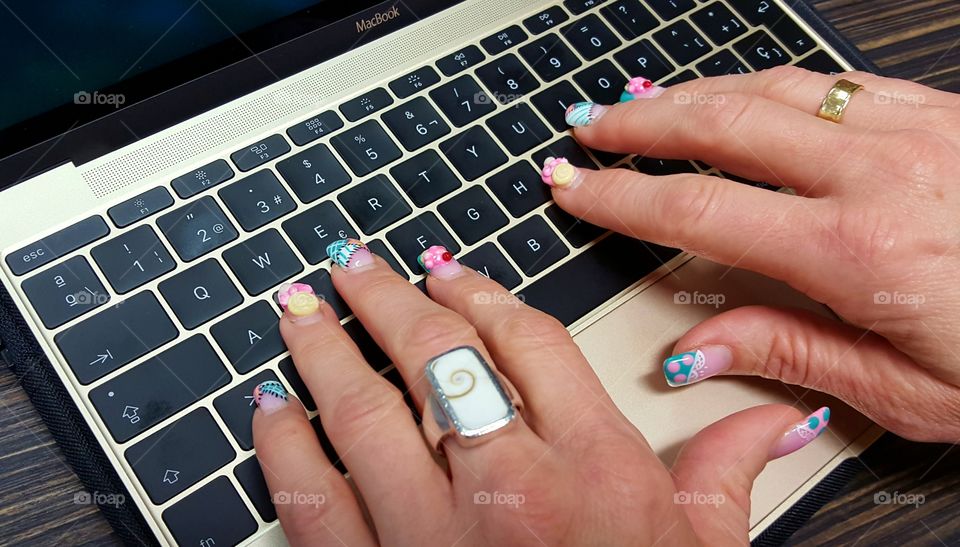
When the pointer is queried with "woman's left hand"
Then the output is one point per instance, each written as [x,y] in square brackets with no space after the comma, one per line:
[573,470]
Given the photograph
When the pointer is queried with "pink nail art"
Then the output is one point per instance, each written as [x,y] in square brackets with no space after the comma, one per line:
[802,433]
[640,88]
[559,173]
[439,262]
[700,364]
[270,396]
[289,289]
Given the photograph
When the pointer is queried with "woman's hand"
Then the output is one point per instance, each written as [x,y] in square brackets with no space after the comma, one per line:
[573,471]
[873,231]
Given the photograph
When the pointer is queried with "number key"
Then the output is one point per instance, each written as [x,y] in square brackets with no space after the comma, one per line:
[416,124]
[507,78]
[257,200]
[550,57]
[366,147]
[197,228]
[590,37]
[462,100]
[132,259]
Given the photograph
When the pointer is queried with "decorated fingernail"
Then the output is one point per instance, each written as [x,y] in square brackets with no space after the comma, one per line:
[802,433]
[349,254]
[439,262]
[693,366]
[298,298]
[640,88]
[559,173]
[270,396]
[584,114]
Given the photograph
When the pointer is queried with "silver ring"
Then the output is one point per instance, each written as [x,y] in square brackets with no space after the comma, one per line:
[468,400]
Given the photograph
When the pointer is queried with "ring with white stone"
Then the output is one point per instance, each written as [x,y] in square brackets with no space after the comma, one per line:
[468,400]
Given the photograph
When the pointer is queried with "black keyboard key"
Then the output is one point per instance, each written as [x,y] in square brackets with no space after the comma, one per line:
[507,79]
[519,188]
[472,214]
[156,389]
[643,58]
[289,371]
[590,37]
[565,147]
[366,104]
[685,76]
[250,476]
[758,12]
[504,40]
[374,204]
[462,101]
[460,60]
[659,167]
[490,262]
[668,9]
[197,228]
[262,261]
[682,42]
[56,245]
[602,82]
[473,153]
[550,57]
[257,200]
[65,291]
[414,236]
[323,287]
[260,152]
[416,123]
[372,354]
[212,516]
[366,148]
[416,81]
[722,63]
[425,178]
[630,18]
[250,337]
[573,229]
[200,293]
[533,245]
[791,35]
[313,173]
[378,248]
[313,128]
[132,259]
[312,230]
[553,102]
[719,23]
[198,180]
[236,407]
[580,6]
[140,207]
[761,51]
[822,62]
[545,20]
[116,336]
[519,129]
[600,273]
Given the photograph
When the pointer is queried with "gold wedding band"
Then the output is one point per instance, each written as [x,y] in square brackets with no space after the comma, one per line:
[836,101]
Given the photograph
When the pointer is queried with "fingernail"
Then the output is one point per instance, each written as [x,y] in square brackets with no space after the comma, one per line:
[298,299]
[700,364]
[640,88]
[349,254]
[802,433]
[439,262]
[270,396]
[560,173]
[584,114]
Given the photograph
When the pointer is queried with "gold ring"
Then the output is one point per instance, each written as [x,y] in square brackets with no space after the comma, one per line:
[836,101]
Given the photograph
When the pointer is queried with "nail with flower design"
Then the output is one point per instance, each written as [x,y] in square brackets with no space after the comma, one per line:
[640,88]
[802,433]
[270,396]
[298,299]
[438,262]
[349,254]
[560,173]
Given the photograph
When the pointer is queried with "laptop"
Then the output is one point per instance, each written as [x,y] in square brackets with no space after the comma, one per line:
[167,166]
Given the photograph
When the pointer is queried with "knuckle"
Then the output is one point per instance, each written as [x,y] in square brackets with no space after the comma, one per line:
[915,156]
[360,407]
[716,120]
[532,328]
[781,81]
[437,332]
[697,203]
[788,359]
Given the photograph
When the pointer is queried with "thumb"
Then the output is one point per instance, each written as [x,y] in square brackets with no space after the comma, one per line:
[715,470]
[801,348]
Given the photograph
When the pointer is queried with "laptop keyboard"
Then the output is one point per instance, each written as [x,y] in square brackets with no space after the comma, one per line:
[446,154]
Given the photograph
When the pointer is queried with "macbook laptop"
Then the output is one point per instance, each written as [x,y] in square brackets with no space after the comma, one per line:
[167,165]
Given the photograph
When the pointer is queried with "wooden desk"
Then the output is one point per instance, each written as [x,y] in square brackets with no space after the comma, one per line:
[916,39]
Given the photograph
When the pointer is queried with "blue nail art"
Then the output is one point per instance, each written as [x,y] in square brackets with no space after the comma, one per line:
[349,253]
[583,114]
[271,388]
[684,368]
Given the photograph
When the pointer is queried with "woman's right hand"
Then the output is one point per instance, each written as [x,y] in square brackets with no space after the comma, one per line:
[873,232]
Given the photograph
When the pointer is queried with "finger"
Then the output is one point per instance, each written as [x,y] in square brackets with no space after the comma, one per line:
[721,220]
[315,504]
[742,133]
[801,348]
[715,470]
[363,415]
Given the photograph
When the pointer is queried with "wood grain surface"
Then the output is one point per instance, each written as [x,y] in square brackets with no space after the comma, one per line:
[41,501]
